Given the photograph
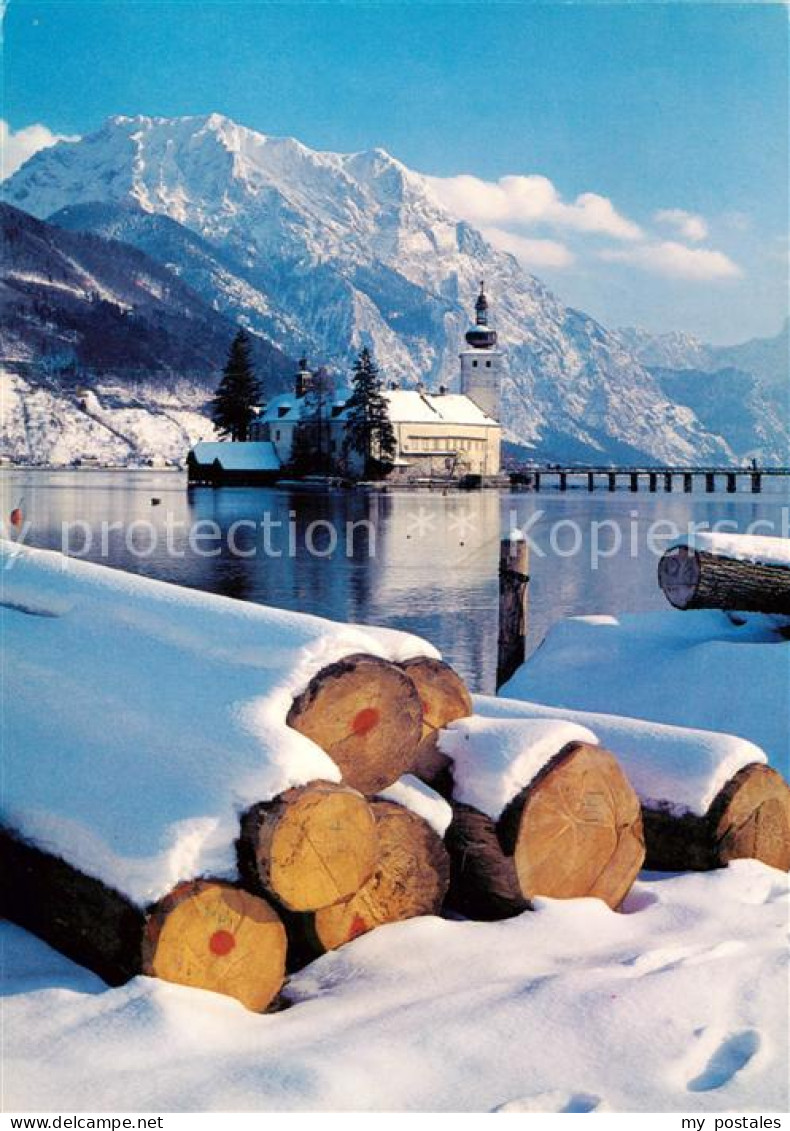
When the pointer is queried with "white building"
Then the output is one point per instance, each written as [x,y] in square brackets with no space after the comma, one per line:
[437,433]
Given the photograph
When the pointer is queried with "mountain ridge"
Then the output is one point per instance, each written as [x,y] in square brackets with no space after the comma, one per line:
[325,252]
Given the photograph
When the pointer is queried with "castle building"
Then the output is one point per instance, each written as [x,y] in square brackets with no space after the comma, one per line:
[438,434]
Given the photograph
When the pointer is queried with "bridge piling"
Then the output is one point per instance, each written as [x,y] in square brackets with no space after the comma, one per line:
[688,482]
[710,482]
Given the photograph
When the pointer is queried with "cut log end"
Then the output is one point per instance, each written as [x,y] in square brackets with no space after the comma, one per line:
[311,847]
[678,576]
[578,829]
[410,878]
[444,698]
[698,579]
[366,714]
[751,818]
[214,936]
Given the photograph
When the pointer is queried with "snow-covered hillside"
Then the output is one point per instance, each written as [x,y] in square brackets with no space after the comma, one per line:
[45,423]
[323,252]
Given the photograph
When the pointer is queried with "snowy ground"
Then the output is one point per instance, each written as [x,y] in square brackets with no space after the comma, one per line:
[680,1004]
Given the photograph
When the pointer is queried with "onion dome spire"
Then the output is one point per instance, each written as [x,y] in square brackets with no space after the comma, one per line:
[481,306]
[480,336]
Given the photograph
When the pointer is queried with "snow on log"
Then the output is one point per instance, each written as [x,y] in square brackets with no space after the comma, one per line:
[141,719]
[539,810]
[366,714]
[206,934]
[310,847]
[410,878]
[728,571]
[706,798]
[444,698]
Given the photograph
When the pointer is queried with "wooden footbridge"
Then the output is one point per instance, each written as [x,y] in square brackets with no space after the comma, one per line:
[651,477]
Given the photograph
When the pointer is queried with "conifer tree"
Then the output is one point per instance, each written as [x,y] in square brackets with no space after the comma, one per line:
[369,430]
[238,393]
[310,452]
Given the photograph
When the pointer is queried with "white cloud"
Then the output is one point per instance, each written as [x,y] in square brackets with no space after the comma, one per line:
[690,225]
[531,253]
[667,257]
[525,200]
[16,146]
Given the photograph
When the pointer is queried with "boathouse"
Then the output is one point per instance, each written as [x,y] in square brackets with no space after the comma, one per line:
[248,464]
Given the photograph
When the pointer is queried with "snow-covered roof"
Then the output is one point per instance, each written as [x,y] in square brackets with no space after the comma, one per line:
[408,406]
[258,455]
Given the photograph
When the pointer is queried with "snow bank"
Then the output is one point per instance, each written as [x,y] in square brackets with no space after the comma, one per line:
[678,767]
[140,718]
[680,1004]
[695,669]
[742,547]
[495,758]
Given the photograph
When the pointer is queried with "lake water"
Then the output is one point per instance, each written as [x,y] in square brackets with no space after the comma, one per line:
[418,560]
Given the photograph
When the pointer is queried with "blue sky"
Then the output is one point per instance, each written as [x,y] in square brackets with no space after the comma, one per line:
[645,147]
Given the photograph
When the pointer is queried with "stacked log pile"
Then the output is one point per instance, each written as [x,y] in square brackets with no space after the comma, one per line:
[327,861]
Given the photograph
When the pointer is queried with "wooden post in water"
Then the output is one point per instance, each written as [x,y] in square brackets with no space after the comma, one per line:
[731,483]
[667,480]
[710,482]
[612,481]
[536,481]
[590,481]
[513,579]
[652,480]
[563,481]
[757,482]
[688,482]
[634,481]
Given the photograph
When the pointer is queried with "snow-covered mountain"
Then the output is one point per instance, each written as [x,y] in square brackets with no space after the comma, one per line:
[741,392]
[767,359]
[324,252]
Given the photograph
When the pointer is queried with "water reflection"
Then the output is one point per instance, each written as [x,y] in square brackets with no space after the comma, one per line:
[424,562]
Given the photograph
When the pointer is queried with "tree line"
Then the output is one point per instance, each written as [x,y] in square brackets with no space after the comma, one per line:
[368,434]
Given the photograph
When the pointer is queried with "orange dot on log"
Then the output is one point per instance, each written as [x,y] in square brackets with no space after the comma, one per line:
[358,927]
[16,517]
[221,943]
[365,720]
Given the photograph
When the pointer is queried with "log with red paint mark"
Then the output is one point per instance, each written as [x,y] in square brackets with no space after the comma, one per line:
[208,934]
[366,714]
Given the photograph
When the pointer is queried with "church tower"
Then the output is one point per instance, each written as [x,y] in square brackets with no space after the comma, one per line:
[481,362]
